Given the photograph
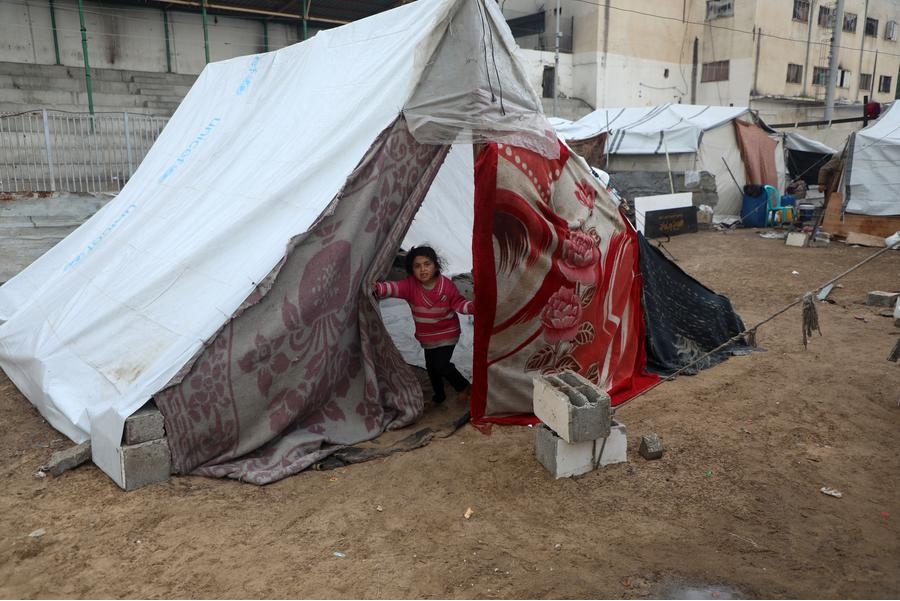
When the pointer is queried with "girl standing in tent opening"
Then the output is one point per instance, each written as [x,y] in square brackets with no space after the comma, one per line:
[434,301]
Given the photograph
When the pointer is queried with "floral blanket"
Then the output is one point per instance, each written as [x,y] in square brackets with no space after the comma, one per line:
[558,283]
[307,366]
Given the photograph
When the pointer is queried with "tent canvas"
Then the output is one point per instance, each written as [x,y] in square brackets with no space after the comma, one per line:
[677,138]
[230,279]
[873,169]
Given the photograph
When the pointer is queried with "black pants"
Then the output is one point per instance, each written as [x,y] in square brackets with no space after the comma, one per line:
[437,362]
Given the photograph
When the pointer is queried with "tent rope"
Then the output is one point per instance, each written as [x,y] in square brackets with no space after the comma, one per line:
[810,322]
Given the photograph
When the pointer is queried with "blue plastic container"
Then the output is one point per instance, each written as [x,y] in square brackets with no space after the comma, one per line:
[754,209]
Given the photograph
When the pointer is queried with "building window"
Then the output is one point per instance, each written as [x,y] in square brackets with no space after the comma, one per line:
[826,16]
[715,71]
[872,27]
[794,73]
[890,31]
[843,78]
[801,10]
[884,84]
[850,22]
[865,81]
[820,76]
[716,9]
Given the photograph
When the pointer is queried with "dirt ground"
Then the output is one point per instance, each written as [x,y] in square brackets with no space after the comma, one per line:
[733,509]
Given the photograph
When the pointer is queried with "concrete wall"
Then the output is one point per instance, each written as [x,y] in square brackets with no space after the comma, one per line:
[131,37]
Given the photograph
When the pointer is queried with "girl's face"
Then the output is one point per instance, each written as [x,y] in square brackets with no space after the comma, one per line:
[424,269]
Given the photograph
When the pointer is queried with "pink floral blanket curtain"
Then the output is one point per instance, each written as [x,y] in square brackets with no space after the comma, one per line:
[558,283]
[307,365]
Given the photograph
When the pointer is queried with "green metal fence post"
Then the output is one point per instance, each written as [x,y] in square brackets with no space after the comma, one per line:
[168,48]
[205,30]
[55,37]
[87,64]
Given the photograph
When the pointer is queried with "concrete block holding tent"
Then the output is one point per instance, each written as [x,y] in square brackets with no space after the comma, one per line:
[643,147]
[229,282]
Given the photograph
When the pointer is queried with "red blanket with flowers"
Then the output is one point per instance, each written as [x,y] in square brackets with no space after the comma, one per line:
[559,284]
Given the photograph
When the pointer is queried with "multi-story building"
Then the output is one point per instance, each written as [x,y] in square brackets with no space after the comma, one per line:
[772,55]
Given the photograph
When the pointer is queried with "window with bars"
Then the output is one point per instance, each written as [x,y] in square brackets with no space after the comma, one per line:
[890,31]
[850,22]
[714,71]
[865,81]
[884,84]
[872,27]
[820,76]
[801,10]
[716,9]
[794,73]
[826,16]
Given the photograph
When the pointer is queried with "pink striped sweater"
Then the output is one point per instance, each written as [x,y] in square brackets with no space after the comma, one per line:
[434,311]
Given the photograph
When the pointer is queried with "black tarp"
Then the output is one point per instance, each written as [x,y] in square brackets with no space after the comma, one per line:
[684,318]
[805,165]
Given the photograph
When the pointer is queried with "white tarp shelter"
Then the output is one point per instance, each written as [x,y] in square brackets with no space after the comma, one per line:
[258,153]
[676,137]
[872,179]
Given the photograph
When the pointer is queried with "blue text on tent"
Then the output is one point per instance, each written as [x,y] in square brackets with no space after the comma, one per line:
[100,237]
[186,153]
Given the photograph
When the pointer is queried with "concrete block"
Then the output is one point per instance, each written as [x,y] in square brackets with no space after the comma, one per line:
[70,458]
[143,425]
[879,298]
[146,463]
[614,448]
[572,406]
[562,459]
[651,447]
[796,239]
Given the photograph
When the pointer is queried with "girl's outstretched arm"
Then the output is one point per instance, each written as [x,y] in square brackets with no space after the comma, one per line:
[391,289]
[457,301]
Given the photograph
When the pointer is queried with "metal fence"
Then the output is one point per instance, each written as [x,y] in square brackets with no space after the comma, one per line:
[50,151]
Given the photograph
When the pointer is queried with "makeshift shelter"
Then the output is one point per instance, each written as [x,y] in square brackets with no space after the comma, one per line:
[804,157]
[643,147]
[867,201]
[872,173]
[230,279]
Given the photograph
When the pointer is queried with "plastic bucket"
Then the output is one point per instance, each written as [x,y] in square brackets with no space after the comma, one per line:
[807,212]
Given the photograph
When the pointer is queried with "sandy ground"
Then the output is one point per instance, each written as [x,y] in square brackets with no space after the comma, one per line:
[732,509]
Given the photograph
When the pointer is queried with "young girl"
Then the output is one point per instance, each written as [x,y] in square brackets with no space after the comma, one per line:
[434,301]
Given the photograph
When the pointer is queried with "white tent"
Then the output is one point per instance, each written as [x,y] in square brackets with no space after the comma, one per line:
[872,178]
[123,306]
[675,137]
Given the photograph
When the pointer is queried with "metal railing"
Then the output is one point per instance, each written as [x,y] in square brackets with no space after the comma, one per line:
[55,151]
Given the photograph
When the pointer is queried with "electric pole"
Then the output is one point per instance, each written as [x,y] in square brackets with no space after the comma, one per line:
[833,57]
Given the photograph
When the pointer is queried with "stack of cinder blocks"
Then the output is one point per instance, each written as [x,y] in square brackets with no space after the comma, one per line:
[146,458]
[578,433]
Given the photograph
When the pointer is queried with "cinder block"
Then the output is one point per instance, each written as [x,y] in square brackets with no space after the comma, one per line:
[143,425]
[146,463]
[70,458]
[879,298]
[651,447]
[614,448]
[563,459]
[796,239]
[572,406]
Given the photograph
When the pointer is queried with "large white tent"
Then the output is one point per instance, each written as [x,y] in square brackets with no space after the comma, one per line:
[120,309]
[677,138]
[872,176]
